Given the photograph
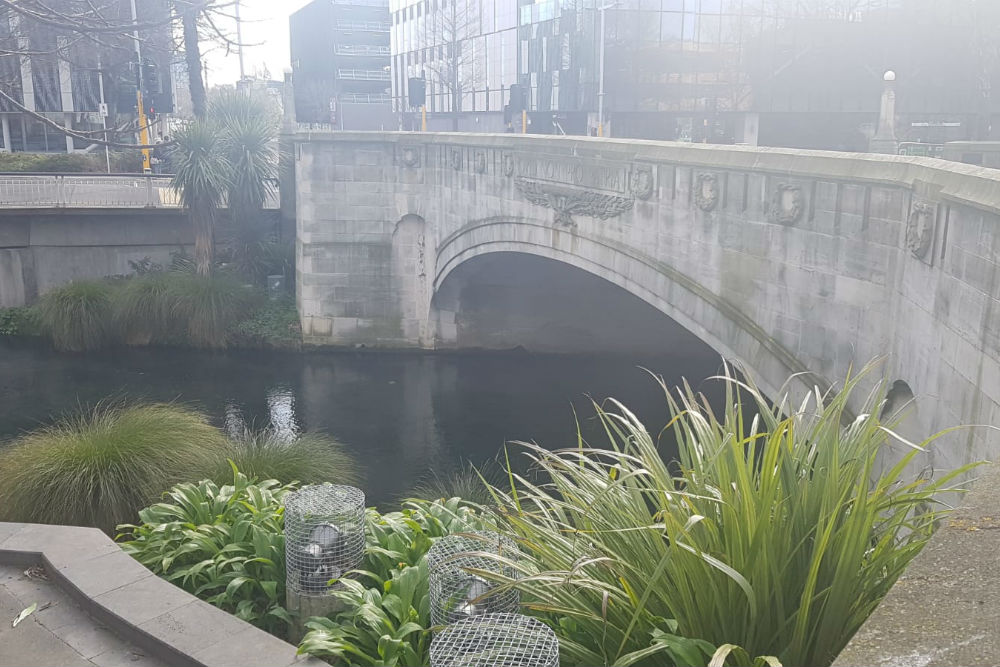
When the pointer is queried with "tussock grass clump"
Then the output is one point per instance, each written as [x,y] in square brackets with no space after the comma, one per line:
[778,534]
[209,306]
[466,483]
[311,458]
[143,309]
[78,315]
[99,468]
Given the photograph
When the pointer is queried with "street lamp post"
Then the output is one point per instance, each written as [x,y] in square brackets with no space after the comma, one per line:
[600,90]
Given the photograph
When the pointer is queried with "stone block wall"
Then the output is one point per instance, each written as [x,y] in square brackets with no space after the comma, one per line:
[789,261]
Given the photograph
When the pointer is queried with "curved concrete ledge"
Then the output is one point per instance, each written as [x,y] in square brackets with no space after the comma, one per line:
[172,625]
[945,609]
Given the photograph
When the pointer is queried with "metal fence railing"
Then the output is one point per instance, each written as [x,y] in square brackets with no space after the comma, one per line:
[92,191]
[363,74]
[365,98]
[368,26]
[362,50]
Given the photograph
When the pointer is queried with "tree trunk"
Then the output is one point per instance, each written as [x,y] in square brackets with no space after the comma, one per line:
[203,222]
[192,55]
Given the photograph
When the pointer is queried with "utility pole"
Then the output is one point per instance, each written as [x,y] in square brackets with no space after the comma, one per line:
[147,165]
[600,91]
[239,40]
[103,111]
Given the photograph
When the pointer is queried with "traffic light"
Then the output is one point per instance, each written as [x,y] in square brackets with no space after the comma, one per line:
[150,78]
[417,92]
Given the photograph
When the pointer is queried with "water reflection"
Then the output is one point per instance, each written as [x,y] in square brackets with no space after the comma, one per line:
[402,415]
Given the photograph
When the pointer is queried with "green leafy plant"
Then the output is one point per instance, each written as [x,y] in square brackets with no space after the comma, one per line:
[208,306]
[311,458]
[99,468]
[385,618]
[773,535]
[223,544]
[19,321]
[78,315]
[274,323]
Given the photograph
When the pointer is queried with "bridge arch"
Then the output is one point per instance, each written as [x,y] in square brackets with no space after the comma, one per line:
[791,261]
[714,321]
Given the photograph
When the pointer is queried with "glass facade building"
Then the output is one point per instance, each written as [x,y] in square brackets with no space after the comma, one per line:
[804,73]
[61,78]
[465,50]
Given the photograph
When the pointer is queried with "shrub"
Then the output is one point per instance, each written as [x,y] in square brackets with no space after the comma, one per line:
[51,162]
[19,321]
[224,544]
[143,309]
[99,468]
[209,306]
[386,615]
[773,535]
[312,458]
[273,323]
[466,483]
[77,316]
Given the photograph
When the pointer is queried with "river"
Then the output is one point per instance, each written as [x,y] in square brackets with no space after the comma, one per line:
[403,415]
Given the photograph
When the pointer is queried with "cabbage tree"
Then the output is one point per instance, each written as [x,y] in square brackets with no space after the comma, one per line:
[231,156]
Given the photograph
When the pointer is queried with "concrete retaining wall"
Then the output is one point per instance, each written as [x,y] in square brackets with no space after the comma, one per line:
[39,251]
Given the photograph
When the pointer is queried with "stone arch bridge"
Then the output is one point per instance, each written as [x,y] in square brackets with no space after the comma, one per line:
[789,261]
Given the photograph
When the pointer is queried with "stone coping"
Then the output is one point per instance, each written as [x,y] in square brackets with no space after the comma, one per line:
[945,609]
[967,184]
[139,606]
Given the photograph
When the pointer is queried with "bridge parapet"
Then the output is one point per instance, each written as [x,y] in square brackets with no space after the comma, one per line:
[789,261]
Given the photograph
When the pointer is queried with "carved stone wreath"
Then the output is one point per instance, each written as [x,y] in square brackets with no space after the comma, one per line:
[410,156]
[568,201]
[706,192]
[480,163]
[456,159]
[507,164]
[641,182]
[920,229]
[787,206]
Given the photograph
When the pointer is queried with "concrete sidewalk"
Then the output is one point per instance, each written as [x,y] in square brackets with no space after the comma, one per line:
[58,633]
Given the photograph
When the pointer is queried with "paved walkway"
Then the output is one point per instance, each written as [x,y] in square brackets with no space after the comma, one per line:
[59,633]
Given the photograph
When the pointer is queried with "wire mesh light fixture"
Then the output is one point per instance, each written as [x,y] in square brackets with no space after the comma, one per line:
[496,640]
[324,536]
[458,594]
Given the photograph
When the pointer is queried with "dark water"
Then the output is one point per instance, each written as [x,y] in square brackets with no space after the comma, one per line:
[402,415]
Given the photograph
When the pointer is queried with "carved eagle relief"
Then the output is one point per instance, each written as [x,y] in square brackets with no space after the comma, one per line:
[568,201]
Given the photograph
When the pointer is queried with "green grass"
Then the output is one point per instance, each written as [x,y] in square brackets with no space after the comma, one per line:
[773,536]
[99,468]
[312,458]
[466,483]
[78,315]
[143,309]
[209,307]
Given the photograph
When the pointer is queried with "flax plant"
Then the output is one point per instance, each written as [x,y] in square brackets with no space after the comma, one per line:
[772,532]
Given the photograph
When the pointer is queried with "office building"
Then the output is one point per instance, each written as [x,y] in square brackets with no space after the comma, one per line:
[340,60]
[803,73]
[63,76]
